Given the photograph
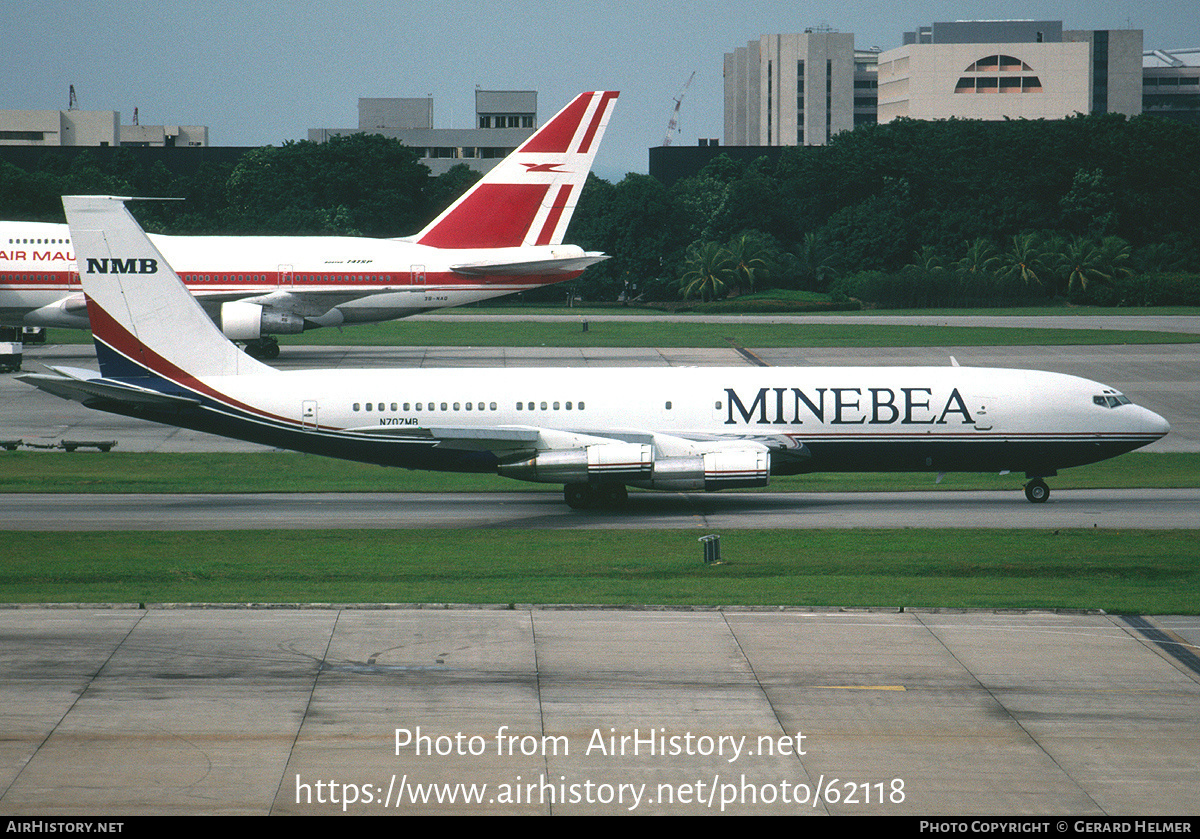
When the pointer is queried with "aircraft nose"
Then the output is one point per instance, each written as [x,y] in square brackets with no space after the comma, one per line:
[1155,424]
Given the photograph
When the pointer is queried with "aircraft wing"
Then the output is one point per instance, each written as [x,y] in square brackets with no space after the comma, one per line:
[88,387]
[307,303]
[511,443]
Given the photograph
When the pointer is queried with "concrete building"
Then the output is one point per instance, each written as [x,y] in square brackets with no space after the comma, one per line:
[503,120]
[797,89]
[1171,84]
[1010,70]
[92,128]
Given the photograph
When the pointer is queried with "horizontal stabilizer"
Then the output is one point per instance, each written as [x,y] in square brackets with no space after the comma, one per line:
[87,390]
[565,265]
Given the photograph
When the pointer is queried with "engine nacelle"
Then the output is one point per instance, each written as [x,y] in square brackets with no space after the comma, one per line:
[250,321]
[609,462]
[634,464]
[711,471]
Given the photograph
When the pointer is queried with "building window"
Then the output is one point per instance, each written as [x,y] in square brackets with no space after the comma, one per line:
[999,74]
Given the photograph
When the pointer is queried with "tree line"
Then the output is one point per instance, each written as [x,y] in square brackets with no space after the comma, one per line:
[1100,209]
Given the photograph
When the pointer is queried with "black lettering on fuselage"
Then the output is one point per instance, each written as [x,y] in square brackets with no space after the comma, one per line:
[848,407]
[760,402]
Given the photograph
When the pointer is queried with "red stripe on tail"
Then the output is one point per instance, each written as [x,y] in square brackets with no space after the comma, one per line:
[597,118]
[556,211]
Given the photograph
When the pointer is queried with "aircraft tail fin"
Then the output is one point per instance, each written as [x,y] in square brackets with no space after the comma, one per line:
[528,198]
[145,322]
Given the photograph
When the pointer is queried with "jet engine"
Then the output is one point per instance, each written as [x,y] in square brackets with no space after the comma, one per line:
[635,464]
[606,462]
[250,321]
[711,471]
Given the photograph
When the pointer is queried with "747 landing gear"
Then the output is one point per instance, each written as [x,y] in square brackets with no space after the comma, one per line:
[583,496]
[263,348]
[1037,491]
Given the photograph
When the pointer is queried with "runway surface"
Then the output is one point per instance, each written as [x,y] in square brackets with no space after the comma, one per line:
[1105,509]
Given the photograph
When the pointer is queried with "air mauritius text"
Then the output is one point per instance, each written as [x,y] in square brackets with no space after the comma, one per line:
[639,742]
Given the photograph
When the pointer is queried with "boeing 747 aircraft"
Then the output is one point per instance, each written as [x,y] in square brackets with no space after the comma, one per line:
[595,431]
[504,235]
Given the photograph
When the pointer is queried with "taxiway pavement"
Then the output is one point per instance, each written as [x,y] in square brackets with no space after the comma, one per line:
[520,710]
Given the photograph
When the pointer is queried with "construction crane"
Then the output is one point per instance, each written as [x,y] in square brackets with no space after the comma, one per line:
[673,125]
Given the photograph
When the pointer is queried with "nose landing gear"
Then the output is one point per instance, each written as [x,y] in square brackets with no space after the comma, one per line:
[1037,491]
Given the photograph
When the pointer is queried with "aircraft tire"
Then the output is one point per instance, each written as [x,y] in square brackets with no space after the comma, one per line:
[612,496]
[579,496]
[1036,491]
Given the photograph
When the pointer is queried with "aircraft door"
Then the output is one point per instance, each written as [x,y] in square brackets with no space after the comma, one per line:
[285,276]
[417,275]
[308,413]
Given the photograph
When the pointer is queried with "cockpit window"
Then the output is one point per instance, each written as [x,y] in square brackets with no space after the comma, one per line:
[1111,400]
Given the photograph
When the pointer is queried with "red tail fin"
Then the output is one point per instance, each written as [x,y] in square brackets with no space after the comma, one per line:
[528,198]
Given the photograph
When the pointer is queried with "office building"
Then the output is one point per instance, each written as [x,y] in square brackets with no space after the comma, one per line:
[503,120]
[1021,69]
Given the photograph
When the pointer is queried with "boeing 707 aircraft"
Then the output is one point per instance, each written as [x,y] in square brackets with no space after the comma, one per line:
[504,235]
[595,431]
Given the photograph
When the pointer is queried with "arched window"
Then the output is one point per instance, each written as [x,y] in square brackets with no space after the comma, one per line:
[999,74]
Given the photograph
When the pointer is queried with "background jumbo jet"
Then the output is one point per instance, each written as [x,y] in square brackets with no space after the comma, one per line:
[596,431]
[502,236]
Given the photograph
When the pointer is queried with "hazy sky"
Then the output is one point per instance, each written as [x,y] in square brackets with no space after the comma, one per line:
[259,72]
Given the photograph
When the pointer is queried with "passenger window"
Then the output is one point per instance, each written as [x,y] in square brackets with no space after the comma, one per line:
[356,406]
[519,405]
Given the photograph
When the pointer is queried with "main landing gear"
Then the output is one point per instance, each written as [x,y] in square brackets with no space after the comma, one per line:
[584,496]
[267,348]
[1037,491]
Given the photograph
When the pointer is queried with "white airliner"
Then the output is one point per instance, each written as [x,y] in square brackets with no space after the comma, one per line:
[503,236]
[596,431]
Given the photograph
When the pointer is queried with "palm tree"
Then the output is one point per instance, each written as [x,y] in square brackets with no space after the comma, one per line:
[1087,261]
[710,269]
[1027,258]
[750,261]
[816,263]
[981,258]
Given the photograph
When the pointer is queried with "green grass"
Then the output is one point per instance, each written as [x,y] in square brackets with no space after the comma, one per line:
[90,471]
[1144,572]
